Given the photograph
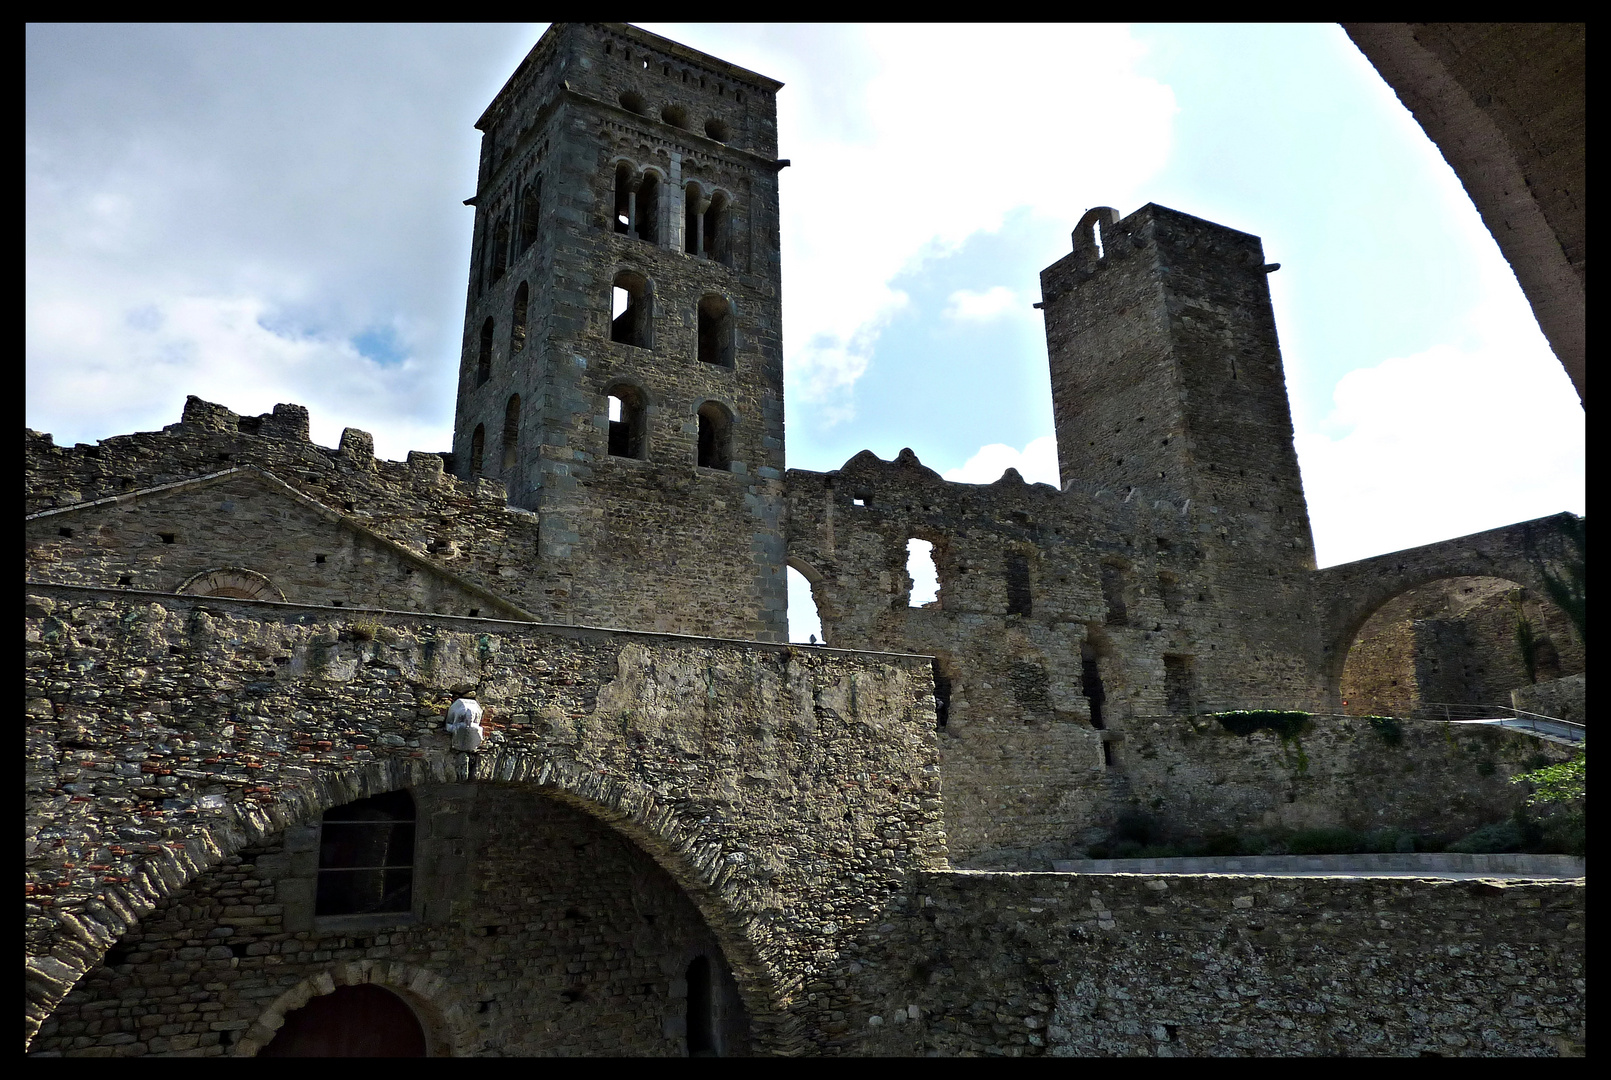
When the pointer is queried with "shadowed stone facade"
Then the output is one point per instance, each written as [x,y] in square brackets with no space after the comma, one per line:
[682,835]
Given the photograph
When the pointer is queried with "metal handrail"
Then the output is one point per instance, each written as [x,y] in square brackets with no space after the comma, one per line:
[1452,713]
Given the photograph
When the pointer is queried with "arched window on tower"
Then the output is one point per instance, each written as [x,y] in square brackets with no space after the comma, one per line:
[717,246]
[715,437]
[478,450]
[632,304]
[483,361]
[517,325]
[621,219]
[530,213]
[511,432]
[649,208]
[693,222]
[500,249]
[366,857]
[715,330]
[627,422]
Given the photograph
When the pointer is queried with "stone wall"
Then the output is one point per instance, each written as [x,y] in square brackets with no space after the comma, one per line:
[1074,965]
[786,791]
[1564,699]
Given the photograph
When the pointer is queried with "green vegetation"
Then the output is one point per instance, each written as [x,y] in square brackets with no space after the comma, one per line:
[1563,783]
[1390,728]
[1566,588]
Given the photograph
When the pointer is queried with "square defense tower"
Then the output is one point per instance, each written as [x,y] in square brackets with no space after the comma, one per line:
[622,368]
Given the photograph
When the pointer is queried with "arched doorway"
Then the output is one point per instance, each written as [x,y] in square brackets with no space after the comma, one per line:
[352,1021]
[1458,640]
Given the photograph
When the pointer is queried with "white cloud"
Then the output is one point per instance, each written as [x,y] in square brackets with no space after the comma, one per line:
[965,305]
[1426,447]
[1036,462]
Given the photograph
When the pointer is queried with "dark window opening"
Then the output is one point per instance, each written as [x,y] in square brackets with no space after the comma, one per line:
[1173,596]
[478,447]
[715,437]
[64,532]
[942,698]
[318,558]
[500,249]
[1107,754]
[517,325]
[632,101]
[1180,685]
[475,613]
[530,214]
[1113,594]
[167,538]
[483,360]
[1019,598]
[649,208]
[701,1026]
[125,581]
[718,129]
[715,330]
[1091,685]
[511,432]
[624,187]
[631,301]
[366,857]
[715,229]
[626,422]
[693,221]
[363,1021]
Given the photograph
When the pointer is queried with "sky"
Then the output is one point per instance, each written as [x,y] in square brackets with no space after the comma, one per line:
[263,214]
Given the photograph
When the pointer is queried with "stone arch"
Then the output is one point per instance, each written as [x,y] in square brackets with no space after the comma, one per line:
[1087,238]
[1347,596]
[449,1030]
[232,581]
[678,846]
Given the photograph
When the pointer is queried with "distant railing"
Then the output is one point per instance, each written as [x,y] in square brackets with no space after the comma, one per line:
[1449,713]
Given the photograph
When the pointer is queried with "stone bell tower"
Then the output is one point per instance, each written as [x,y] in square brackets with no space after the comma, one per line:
[622,367]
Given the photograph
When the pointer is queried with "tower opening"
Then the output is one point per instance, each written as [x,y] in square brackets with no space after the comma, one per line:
[1091,687]
[626,419]
[715,330]
[649,208]
[630,300]
[500,249]
[715,228]
[805,618]
[1020,598]
[693,220]
[622,217]
[517,325]
[483,360]
[1113,589]
[715,437]
[701,1026]
[478,449]
[529,213]
[511,432]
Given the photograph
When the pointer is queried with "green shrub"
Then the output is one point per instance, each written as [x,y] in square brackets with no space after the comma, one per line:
[1288,725]
[1158,851]
[1491,839]
[1390,728]
[1256,844]
[1565,834]
[1325,842]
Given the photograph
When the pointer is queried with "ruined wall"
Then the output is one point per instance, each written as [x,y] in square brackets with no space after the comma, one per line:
[551,935]
[1079,966]
[787,791]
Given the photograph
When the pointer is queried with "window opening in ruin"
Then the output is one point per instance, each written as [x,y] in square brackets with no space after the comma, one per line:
[630,299]
[318,558]
[167,538]
[942,697]
[1107,754]
[511,432]
[649,208]
[632,101]
[1113,589]
[1169,590]
[805,619]
[1019,597]
[626,419]
[483,359]
[715,330]
[924,576]
[1091,685]
[718,130]
[500,249]
[530,214]
[623,198]
[125,581]
[701,1026]
[1180,685]
[715,228]
[366,857]
[715,437]
[64,532]
[1096,236]
[517,325]
[478,446]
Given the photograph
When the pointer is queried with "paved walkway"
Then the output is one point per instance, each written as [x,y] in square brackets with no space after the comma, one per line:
[1396,864]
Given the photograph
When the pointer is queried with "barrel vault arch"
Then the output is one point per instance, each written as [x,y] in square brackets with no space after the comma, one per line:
[680,847]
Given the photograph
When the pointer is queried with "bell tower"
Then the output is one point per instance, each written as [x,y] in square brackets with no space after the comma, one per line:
[622,366]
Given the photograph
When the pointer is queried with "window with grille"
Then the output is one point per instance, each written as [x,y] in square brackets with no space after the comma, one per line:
[366,857]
